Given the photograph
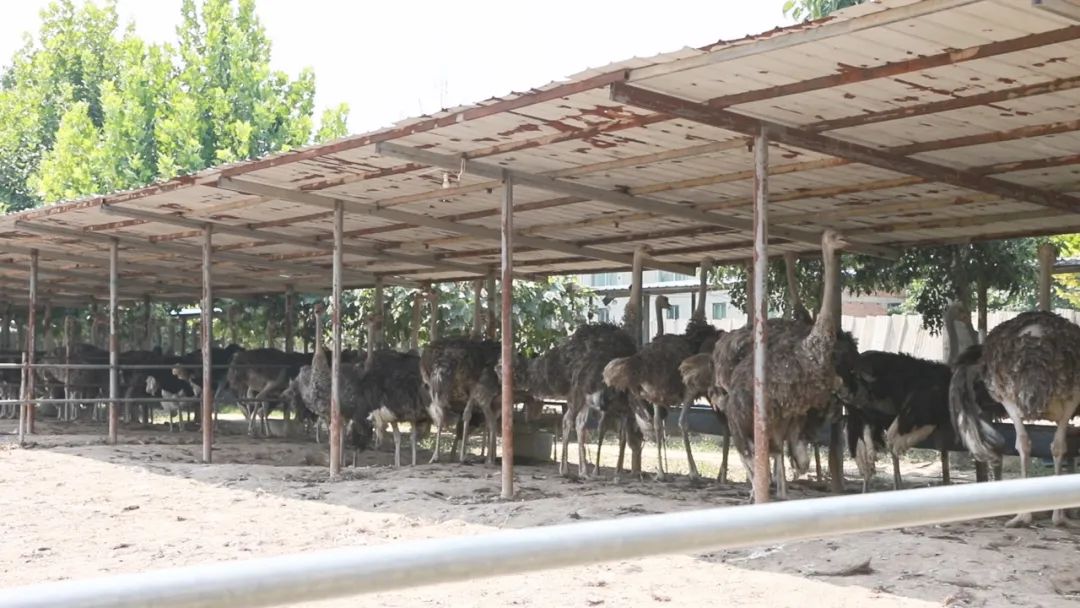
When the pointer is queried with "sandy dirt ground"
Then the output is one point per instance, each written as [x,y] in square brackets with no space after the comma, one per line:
[73,507]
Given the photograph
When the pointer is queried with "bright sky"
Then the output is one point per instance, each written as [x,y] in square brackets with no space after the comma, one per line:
[394,59]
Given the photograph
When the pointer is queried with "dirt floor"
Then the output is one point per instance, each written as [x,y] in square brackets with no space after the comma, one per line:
[74,507]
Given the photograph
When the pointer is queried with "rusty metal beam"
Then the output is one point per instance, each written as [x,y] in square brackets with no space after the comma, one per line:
[272,238]
[946,105]
[853,74]
[761,314]
[248,261]
[31,344]
[618,199]
[417,219]
[991,137]
[507,340]
[207,314]
[114,341]
[674,106]
[336,435]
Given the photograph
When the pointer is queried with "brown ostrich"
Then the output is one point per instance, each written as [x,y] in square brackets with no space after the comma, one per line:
[573,369]
[652,375]
[801,381]
[1031,365]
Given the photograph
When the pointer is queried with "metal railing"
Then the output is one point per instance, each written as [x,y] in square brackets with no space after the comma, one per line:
[352,571]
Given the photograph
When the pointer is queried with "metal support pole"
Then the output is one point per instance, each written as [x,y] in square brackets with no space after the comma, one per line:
[478,309]
[335,361]
[508,338]
[761,314]
[148,338]
[1047,255]
[24,372]
[290,317]
[31,342]
[70,409]
[836,430]
[492,325]
[207,315]
[632,315]
[378,336]
[114,341]
[417,316]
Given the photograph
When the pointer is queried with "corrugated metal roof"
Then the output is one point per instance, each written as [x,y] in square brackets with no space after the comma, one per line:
[980,91]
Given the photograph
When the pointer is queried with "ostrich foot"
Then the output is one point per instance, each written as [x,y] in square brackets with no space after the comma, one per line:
[1022,520]
[434,458]
[661,476]
[1061,519]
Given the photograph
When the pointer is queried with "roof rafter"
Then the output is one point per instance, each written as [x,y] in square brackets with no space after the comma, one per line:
[236,258]
[619,199]
[724,119]
[854,75]
[360,207]
[276,237]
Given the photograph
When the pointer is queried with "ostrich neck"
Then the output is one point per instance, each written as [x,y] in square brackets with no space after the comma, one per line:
[794,300]
[659,319]
[825,324]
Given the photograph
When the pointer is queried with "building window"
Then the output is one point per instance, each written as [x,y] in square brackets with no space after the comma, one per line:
[892,308]
[671,277]
[672,312]
[603,315]
[606,279]
[719,310]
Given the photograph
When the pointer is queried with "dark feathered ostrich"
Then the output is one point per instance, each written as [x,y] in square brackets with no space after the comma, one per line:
[461,378]
[389,391]
[801,378]
[652,375]
[1031,365]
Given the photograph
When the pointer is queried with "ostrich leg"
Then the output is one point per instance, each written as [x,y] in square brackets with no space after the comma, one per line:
[582,439]
[684,428]
[397,444]
[658,434]
[633,437]
[600,439]
[1023,447]
[817,462]
[897,481]
[622,449]
[945,473]
[567,424]
[781,476]
[438,441]
[463,447]
[413,436]
[721,476]
[1058,448]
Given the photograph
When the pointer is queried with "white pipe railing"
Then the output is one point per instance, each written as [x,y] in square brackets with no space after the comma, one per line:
[344,572]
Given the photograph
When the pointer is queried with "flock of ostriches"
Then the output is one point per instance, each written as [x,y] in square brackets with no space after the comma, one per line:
[1027,369]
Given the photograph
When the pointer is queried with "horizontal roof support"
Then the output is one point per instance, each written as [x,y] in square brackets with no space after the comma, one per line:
[619,199]
[275,237]
[417,219]
[855,74]
[723,119]
[236,258]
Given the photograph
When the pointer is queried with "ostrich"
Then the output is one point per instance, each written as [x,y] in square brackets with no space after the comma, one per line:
[460,376]
[390,391]
[803,376]
[169,387]
[573,369]
[652,374]
[1031,365]
[906,401]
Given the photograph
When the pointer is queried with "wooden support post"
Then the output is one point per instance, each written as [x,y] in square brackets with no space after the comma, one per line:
[335,361]
[633,313]
[433,322]
[148,334]
[207,323]
[983,305]
[378,336]
[114,341]
[836,429]
[31,343]
[290,318]
[1047,255]
[508,338]
[761,313]
[703,288]
[478,309]
[492,325]
[417,317]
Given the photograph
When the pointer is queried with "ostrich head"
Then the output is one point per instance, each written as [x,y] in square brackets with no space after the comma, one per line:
[151,386]
[833,241]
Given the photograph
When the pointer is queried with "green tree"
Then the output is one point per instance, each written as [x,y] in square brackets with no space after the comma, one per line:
[147,112]
[808,10]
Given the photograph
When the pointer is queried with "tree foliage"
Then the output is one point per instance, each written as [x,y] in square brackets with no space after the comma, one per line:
[88,108]
[808,10]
